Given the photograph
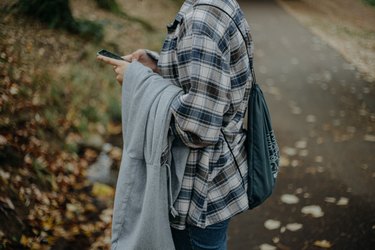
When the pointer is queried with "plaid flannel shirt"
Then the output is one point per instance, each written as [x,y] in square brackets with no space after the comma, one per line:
[205,54]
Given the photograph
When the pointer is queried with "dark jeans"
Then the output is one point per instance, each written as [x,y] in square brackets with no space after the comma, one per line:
[213,237]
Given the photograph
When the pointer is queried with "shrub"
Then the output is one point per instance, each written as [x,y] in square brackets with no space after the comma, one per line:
[370,2]
[57,14]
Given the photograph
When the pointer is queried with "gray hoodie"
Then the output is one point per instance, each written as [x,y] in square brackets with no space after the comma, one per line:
[150,177]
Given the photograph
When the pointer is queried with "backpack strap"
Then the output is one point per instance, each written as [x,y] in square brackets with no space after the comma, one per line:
[252,83]
[243,37]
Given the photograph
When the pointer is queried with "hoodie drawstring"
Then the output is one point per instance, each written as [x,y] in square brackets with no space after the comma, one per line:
[173,211]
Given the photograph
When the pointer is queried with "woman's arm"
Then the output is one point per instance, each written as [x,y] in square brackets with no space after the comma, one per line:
[198,114]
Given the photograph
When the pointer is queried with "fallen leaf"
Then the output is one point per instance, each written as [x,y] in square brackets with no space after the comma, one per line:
[362,112]
[289,199]
[267,247]
[294,227]
[299,190]
[323,244]
[311,118]
[304,153]
[3,140]
[343,201]
[330,199]
[364,166]
[4,175]
[13,89]
[272,224]
[102,190]
[306,195]
[369,138]
[296,110]
[284,161]
[8,202]
[90,154]
[116,153]
[24,240]
[48,223]
[114,128]
[74,208]
[319,159]
[295,163]
[314,210]
[289,151]
[275,240]
[320,169]
[107,147]
[90,207]
[301,144]
[106,215]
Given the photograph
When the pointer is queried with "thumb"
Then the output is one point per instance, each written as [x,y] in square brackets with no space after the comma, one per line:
[128,58]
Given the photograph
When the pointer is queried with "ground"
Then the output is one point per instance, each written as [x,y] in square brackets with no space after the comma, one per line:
[322,110]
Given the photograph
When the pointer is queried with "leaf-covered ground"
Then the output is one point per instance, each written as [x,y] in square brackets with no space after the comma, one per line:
[54,99]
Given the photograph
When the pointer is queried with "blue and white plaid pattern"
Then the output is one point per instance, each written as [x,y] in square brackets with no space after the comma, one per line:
[205,54]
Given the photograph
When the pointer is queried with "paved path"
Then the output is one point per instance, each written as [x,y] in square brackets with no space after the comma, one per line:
[324,117]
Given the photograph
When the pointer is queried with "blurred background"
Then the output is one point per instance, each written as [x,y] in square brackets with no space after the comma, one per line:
[60,119]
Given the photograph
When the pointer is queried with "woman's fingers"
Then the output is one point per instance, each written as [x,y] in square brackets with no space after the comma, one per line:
[138,54]
[118,70]
[128,58]
[111,61]
[119,66]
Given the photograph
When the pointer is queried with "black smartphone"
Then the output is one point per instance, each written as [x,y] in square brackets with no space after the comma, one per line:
[106,53]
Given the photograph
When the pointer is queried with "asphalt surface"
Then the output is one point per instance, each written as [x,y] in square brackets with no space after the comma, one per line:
[323,115]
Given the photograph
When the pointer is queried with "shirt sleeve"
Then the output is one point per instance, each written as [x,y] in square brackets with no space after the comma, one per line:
[198,114]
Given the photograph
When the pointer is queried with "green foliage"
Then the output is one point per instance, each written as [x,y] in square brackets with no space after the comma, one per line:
[112,6]
[370,2]
[114,108]
[57,14]
[89,29]
[42,175]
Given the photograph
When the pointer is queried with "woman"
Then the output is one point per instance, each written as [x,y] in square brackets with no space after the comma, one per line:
[207,53]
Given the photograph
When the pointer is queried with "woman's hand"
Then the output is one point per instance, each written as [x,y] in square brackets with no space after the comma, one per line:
[141,56]
[119,66]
